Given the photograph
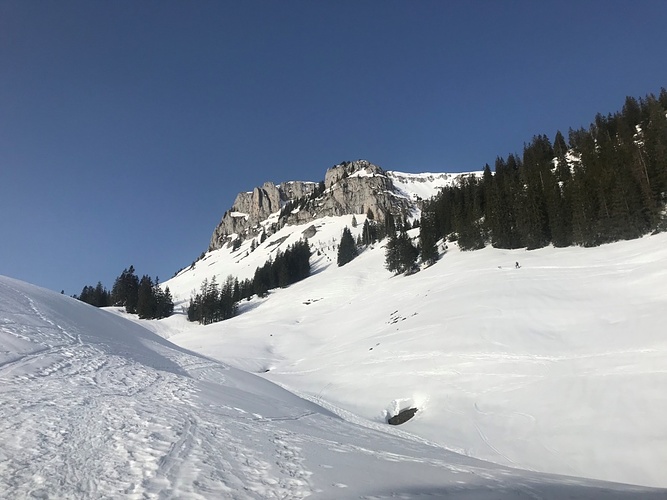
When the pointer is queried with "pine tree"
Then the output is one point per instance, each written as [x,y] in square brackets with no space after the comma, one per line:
[368,233]
[389,226]
[227,305]
[146,303]
[97,296]
[165,304]
[428,239]
[561,226]
[347,250]
[125,290]
[400,255]
[538,181]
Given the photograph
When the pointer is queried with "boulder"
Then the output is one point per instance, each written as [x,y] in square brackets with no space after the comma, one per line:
[402,416]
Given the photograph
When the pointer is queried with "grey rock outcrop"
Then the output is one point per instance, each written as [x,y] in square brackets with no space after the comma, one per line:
[254,206]
[357,187]
[402,416]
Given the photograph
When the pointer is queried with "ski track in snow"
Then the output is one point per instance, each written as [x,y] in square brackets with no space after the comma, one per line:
[102,437]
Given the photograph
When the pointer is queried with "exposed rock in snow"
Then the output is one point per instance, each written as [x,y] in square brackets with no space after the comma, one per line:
[355,187]
[257,205]
[402,416]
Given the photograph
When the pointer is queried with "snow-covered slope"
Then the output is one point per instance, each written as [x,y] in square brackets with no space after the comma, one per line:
[558,366]
[242,262]
[95,406]
[425,185]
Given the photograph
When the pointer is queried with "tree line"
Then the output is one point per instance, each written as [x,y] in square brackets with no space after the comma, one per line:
[606,183]
[144,297]
[214,303]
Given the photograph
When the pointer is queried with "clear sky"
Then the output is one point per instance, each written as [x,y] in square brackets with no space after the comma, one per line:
[128,127]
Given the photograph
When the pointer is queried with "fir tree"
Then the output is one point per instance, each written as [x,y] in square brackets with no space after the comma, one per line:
[97,296]
[125,291]
[347,250]
[369,233]
[428,239]
[165,303]
[146,303]
[400,255]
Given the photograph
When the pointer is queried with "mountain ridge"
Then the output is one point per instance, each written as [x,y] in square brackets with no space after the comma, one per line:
[351,187]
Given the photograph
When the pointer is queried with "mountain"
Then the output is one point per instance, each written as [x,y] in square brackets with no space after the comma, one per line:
[556,367]
[356,187]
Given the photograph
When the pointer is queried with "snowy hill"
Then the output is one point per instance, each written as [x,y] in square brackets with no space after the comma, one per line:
[555,367]
[95,406]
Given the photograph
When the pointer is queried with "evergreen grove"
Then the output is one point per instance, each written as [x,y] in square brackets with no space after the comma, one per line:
[213,303]
[606,183]
[143,297]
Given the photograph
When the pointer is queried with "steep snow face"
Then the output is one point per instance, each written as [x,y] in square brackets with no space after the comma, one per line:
[421,187]
[426,185]
[557,366]
[95,406]
[324,234]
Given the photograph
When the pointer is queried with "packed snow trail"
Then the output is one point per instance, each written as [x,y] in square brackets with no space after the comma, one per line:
[94,406]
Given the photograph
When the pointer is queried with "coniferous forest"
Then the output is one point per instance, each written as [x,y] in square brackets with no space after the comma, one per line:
[143,297]
[214,304]
[604,183]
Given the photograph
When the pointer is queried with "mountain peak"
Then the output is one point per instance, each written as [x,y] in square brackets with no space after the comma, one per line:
[349,169]
[351,187]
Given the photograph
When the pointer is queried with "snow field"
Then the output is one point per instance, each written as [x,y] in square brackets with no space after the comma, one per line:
[95,406]
[555,367]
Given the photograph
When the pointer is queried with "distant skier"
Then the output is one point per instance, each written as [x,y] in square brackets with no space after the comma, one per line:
[516,266]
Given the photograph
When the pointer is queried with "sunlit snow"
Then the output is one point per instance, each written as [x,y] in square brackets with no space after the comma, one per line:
[558,366]
[95,406]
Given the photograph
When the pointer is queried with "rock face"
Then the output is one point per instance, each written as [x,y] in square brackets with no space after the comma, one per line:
[254,206]
[357,187]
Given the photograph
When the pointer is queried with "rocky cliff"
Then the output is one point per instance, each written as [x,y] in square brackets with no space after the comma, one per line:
[357,187]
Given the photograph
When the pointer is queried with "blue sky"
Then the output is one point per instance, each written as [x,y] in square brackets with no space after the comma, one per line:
[127,128]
